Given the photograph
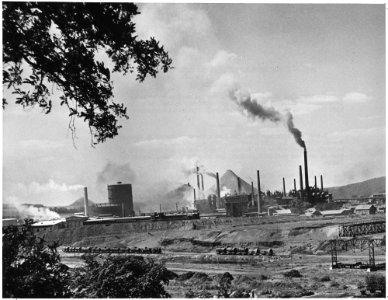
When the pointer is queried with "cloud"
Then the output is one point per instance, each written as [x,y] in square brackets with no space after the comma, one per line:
[40,145]
[173,24]
[222,58]
[359,132]
[37,188]
[318,99]
[356,98]
[182,140]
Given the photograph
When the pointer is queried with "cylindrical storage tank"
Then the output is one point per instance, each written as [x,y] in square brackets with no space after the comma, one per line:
[121,194]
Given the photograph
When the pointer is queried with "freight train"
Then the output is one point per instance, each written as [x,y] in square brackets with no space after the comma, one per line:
[153,217]
[243,251]
[145,250]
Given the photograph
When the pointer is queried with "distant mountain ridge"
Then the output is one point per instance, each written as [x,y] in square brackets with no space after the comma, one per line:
[228,182]
[80,203]
[359,189]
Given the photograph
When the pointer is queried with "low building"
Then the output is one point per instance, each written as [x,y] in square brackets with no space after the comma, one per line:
[42,226]
[381,209]
[75,221]
[236,206]
[366,209]
[282,212]
[337,212]
[10,222]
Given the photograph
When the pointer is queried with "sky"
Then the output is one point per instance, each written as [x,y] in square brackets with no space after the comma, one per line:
[323,63]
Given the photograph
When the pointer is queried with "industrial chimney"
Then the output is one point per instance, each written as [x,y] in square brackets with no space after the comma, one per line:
[194,195]
[218,191]
[202,182]
[86,202]
[301,182]
[321,183]
[306,176]
[253,194]
[284,188]
[238,185]
[315,182]
[199,187]
[259,191]
[295,185]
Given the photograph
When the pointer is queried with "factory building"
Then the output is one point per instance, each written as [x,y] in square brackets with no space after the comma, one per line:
[75,221]
[120,202]
[365,210]
[42,226]
[121,194]
[237,206]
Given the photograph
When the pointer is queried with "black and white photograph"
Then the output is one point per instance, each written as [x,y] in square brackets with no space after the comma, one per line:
[193,150]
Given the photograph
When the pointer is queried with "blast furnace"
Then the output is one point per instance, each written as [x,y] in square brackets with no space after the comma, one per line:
[121,194]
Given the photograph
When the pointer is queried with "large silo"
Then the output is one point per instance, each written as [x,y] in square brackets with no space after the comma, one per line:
[121,194]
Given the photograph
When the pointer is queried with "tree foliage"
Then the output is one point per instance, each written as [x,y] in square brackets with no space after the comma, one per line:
[225,285]
[121,277]
[31,266]
[57,43]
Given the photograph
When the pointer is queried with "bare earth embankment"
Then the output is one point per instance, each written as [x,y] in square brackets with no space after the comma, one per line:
[189,251]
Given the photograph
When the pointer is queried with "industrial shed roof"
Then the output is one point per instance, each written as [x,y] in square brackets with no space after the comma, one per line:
[48,223]
[364,207]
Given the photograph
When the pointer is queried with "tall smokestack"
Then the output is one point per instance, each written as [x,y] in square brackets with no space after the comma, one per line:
[238,185]
[321,183]
[259,191]
[194,195]
[199,187]
[202,182]
[86,202]
[295,185]
[301,182]
[306,176]
[253,193]
[218,191]
[284,188]
[315,180]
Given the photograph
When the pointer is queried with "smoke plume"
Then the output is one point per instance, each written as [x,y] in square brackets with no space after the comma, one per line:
[297,134]
[255,110]
[25,211]
[113,172]
[167,195]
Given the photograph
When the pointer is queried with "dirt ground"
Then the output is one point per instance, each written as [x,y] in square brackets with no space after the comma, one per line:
[298,245]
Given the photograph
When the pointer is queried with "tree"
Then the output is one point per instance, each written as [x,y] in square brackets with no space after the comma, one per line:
[225,285]
[31,266]
[57,44]
[375,282]
[120,277]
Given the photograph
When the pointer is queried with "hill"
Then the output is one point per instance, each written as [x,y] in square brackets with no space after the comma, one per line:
[80,203]
[359,189]
[228,184]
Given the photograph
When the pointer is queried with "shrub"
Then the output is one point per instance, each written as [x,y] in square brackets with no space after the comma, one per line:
[325,278]
[121,277]
[334,284]
[32,267]
[375,282]
[199,294]
[292,274]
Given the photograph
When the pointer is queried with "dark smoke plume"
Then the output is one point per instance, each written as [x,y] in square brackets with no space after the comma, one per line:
[113,172]
[295,131]
[255,110]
